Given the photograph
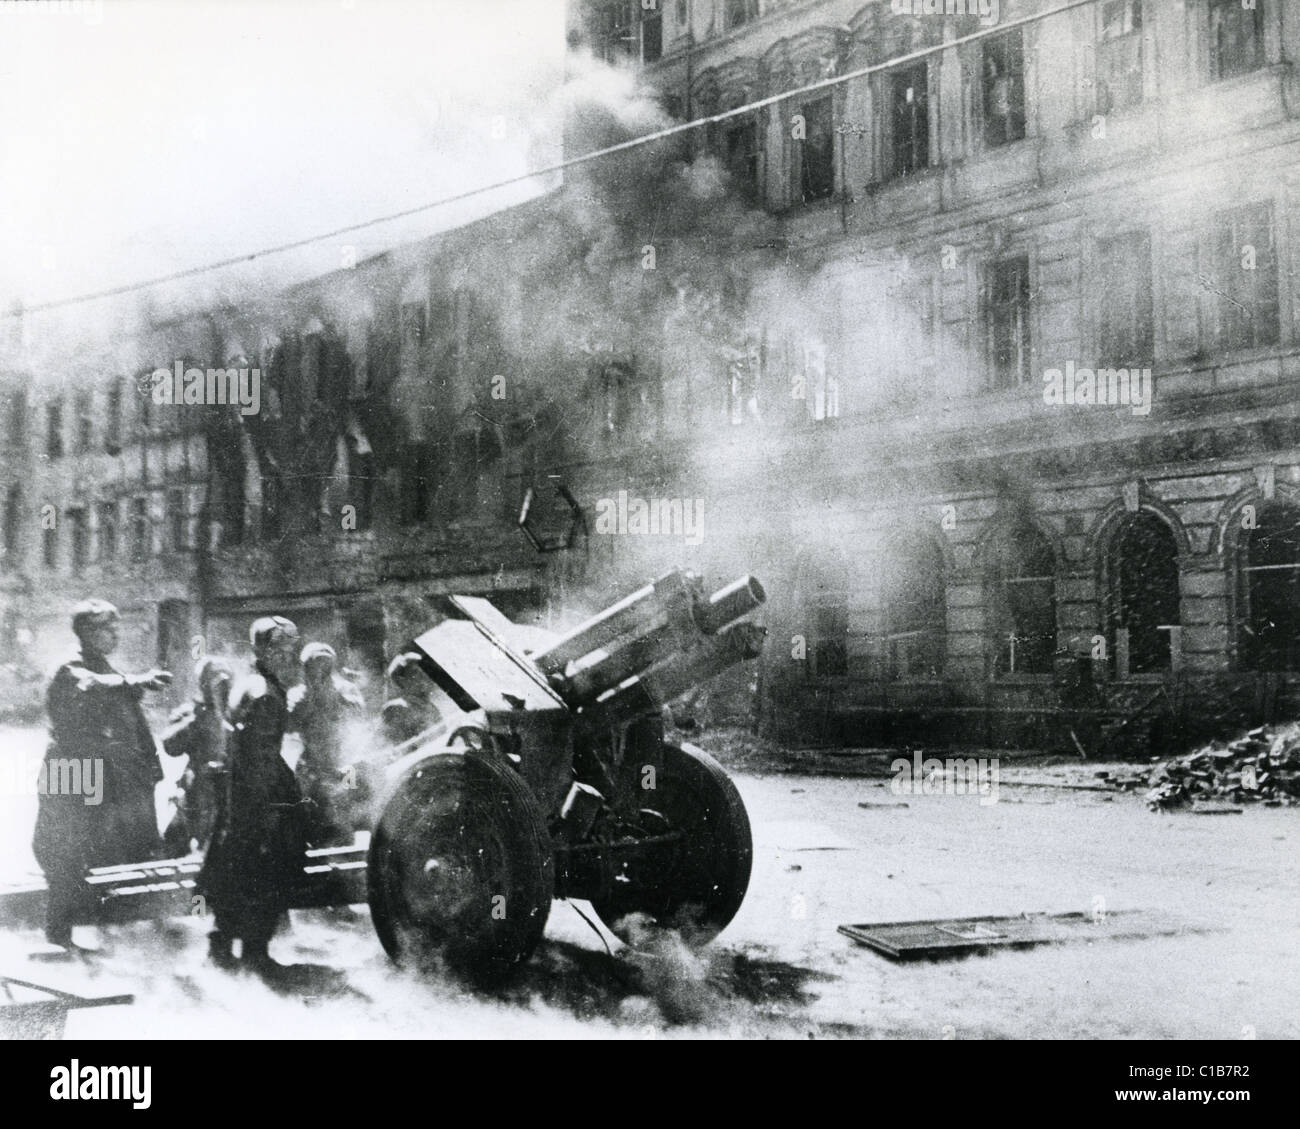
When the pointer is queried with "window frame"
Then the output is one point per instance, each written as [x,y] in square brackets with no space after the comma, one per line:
[995,380]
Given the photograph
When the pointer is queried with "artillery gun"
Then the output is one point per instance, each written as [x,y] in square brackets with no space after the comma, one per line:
[551,778]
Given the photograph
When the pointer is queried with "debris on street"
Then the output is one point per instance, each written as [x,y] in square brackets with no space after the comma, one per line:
[1261,767]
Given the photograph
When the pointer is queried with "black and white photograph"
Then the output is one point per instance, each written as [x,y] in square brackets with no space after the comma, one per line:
[659,521]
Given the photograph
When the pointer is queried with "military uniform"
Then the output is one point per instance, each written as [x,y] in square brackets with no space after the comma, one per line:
[95,718]
[256,856]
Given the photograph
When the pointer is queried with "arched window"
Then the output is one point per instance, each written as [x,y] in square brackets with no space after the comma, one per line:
[1021,592]
[915,608]
[1141,595]
[1268,571]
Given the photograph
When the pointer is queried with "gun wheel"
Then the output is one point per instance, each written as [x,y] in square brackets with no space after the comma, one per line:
[702,890]
[460,868]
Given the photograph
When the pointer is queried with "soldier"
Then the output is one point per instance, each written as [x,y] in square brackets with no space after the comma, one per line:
[98,728]
[256,856]
[412,711]
[199,730]
[321,709]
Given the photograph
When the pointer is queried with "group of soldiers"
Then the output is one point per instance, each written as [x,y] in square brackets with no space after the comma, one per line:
[241,804]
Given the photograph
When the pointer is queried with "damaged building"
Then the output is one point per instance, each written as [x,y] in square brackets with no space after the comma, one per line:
[869,338]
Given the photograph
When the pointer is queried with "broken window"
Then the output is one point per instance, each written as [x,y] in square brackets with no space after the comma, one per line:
[85,423]
[107,520]
[1119,56]
[54,429]
[1269,593]
[1236,37]
[816,152]
[1007,319]
[1021,592]
[909,120]
[9,547]
[1244,284]
[742,158]
[113,420]
[1126,322]
[80,539]
[177,521]
[915,606]
[1142,596]
[1004,88]
[141,535]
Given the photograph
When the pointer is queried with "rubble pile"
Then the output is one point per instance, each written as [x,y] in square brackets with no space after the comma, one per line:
[1261,767]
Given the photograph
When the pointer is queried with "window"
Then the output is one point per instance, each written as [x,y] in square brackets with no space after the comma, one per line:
[745,377]
[80,539]
[1126,324]
[824,597]
[140,532]
[1236,38]
[1141,595]
[915,607]
[739,12]
[627,399]
[11,530]
[414,328]
[615,31]
[741,140]
[17,422]
[1004,89]
[1119,56]
[85,423]
[177,521]
[909,120]
[1007,320]
[652,36]
[1244,286]
[113,420]
[1021,593]
[107,531]
[50,545]
[816,151]
[54,429]
[1269,591]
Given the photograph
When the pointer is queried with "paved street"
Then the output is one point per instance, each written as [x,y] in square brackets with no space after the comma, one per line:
[781,969]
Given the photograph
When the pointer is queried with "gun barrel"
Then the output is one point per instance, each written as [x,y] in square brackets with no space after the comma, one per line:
[728,604]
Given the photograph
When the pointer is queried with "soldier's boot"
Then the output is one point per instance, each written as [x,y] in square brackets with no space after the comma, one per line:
[221,951]
[258,961]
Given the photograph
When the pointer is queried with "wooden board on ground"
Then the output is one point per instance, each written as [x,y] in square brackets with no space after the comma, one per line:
[961,936]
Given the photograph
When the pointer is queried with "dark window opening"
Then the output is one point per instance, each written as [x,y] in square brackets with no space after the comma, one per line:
[652,36]
[50,546]
[742,159]
[1126,329]
[1004,89]
[85,423]
[54,429]
[17,429]
[107,531]
[1119,56]
[140,531]
[616,30]
[1022,602]
[1244,288]
[915,606]
[80,540]
[1008,321]
[817,151]
[9,547]
[1269,577]
[1142,596]
[1236,38]
[826,602]
[909,120]
[177,521]
[113,422]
